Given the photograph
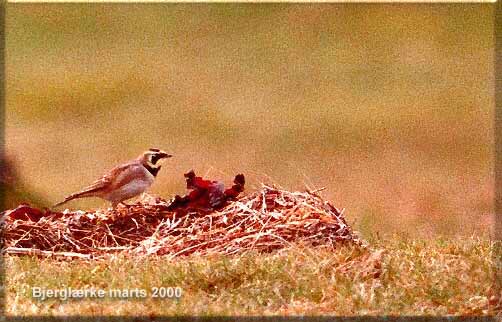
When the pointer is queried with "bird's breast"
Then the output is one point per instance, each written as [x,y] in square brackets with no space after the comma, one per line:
[130,184]
[130,189]
[138,185]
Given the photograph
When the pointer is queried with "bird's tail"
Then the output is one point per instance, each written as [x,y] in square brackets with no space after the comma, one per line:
[71,197]
[60,203]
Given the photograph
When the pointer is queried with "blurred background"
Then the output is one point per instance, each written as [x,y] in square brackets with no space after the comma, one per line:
[389,107]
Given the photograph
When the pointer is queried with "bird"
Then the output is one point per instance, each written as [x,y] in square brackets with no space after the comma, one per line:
[124,181]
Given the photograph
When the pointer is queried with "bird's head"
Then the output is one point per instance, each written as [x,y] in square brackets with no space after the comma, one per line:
[153,156]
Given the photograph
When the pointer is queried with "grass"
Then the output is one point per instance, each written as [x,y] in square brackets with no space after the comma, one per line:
[403,277]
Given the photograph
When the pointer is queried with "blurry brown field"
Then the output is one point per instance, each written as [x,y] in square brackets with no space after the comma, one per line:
[390,107]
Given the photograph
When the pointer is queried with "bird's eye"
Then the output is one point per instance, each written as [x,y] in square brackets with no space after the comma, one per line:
[154,158]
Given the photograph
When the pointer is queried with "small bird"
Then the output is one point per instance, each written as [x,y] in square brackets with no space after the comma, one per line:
[124,181]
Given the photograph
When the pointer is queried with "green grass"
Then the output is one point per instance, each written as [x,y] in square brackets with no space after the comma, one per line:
[408,277]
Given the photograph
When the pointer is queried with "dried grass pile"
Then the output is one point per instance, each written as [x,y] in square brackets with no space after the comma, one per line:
[265,220]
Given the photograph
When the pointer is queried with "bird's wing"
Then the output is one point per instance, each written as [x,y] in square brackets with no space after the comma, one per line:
[112,178]
[134,171]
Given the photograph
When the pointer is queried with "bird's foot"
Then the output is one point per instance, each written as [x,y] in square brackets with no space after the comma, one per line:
[125,205]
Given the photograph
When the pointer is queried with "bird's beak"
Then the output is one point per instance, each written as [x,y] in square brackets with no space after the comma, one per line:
[164,155]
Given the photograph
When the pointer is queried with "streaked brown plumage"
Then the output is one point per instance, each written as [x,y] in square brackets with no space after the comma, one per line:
[124,181]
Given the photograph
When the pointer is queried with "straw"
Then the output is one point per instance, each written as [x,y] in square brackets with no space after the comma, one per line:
[264,221]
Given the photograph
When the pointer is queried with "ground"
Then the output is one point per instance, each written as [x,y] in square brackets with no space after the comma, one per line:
[395,276]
